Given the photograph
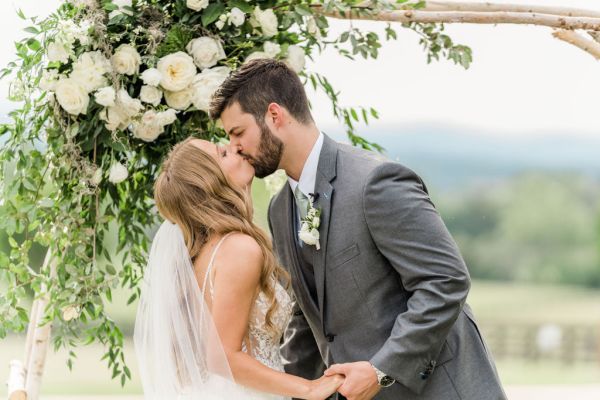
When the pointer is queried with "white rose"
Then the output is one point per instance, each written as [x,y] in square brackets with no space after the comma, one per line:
[121,10]
[118,117]
[118,173]
[272,49]
[49,80]
[127,104]
[267,21]
[177,71]
[89,70]
[58,51]
[206,84]
[126,60]
[151,77]
[167,117]
[296,58]
[206,51]
[115,118]
[151,95]
[72,97]
[316,221]
[149,128]
[309,236]
[256,56]
[237,17]
[197,5]
[106,96]
[70,312]
[179,100]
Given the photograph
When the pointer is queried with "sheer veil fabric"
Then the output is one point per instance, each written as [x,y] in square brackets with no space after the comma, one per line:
[178,349]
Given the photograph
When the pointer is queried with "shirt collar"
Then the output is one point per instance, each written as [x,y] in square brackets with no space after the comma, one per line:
[308,176]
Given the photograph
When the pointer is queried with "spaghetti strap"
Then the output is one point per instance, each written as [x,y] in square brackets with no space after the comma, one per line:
[210,264]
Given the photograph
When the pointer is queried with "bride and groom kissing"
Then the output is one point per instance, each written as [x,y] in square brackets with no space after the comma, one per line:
[358,293]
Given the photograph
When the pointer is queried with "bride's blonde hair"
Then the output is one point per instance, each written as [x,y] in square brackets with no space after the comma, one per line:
[193,192]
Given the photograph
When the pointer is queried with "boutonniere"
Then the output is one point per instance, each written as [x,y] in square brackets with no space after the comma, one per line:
[309,225]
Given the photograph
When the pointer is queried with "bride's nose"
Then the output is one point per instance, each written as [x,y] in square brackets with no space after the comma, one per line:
[235,149]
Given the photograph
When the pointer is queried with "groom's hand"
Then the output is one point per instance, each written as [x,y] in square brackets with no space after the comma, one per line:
[361,380]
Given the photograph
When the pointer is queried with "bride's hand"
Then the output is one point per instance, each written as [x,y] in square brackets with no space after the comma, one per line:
[325,386]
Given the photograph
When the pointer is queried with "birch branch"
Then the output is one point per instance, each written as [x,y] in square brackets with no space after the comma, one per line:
[496,7]
[574,38]
[468,17]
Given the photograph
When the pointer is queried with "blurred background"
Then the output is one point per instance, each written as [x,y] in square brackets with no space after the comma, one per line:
[510,152]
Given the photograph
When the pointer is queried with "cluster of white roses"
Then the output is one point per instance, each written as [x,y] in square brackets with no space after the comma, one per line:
[178,81]
[175,77]
[61,49]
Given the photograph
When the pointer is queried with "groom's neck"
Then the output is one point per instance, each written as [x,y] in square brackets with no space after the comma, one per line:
[297,147]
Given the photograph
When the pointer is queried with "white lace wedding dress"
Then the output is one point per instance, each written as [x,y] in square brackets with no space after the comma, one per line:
[260,344]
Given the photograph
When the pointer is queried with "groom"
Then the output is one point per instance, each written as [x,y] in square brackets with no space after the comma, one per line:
[380,295]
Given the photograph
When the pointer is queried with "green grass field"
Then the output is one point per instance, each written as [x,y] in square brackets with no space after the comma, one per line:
[491,302]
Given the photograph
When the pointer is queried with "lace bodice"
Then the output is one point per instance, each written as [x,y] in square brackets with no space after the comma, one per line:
[263,345]
[260,343]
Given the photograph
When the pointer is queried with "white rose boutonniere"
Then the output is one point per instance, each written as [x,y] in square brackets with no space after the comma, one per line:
[309,226]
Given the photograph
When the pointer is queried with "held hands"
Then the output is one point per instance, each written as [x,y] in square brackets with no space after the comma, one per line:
[325,386]
[361,380]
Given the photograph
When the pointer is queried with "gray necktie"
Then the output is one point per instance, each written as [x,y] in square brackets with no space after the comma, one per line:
[301,201]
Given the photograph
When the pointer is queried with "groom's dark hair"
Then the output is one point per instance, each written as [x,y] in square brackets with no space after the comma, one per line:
[257,84]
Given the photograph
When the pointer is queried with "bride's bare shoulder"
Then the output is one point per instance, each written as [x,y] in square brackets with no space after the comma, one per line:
[241,254]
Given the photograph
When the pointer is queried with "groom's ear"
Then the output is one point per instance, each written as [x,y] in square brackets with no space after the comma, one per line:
[276,115]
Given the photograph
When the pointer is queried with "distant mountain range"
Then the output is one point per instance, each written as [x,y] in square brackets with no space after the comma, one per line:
[449,157]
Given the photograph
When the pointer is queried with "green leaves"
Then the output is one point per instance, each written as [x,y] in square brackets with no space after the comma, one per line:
[175,40]
[437,44]
[243,5]
[212,13]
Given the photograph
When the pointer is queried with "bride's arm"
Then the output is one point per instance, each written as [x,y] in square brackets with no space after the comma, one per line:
[238,267]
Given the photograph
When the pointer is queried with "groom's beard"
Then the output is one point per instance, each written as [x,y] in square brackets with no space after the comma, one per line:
[269,153]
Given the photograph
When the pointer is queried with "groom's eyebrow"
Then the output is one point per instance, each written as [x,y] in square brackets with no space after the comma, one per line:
[233,129]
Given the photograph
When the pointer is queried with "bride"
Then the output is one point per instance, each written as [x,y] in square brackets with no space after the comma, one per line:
[214,301]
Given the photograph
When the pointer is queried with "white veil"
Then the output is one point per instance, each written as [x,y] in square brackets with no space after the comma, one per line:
[178,349]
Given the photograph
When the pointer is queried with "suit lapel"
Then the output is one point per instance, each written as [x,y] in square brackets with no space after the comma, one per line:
[326,173]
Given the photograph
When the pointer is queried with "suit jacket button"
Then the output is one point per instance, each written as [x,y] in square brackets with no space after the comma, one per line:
[330,337]
[424,375]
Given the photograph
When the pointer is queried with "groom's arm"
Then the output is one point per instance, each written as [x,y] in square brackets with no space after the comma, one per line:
[299,348]
[410,233]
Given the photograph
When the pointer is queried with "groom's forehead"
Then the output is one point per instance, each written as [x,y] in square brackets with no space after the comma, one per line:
[234,117]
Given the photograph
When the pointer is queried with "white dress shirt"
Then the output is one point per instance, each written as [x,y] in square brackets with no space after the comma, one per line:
[308,176]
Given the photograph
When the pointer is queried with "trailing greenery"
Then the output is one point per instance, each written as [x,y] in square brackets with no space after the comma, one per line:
[71,163]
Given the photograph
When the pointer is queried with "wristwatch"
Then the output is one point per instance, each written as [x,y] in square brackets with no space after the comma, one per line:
[383,379]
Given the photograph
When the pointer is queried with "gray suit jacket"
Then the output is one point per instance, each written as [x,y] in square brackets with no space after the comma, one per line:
[390,280]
